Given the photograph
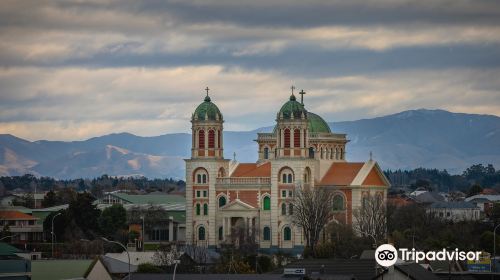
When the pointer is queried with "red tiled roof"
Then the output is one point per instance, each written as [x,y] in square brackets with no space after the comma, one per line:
[373,179]
[341,173]
[15,215]
[252,170]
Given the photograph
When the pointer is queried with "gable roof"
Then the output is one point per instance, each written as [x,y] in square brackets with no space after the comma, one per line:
[252,170]
[415,271]
[453,205]
[237,205]
[354,268]
[15,215]
[8,250]
[341,173]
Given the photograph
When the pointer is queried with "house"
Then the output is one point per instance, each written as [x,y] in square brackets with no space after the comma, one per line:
[24,227]
[359,269]
[404,271]
[171,226]
[455,210]
[59,269]
[13,266]
[106,268]
[428,197]
[484,201]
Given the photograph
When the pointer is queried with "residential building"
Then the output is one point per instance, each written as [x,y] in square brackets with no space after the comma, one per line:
[455,211]
[23,227]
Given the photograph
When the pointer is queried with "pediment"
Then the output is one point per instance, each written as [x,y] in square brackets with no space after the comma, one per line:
[238,205]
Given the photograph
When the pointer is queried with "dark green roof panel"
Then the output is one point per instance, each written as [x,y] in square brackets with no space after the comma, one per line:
[317,124]
[292,107]
[207,109]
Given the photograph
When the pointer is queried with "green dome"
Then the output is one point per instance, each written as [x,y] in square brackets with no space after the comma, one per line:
[292,107]
[207,109]
[317,124]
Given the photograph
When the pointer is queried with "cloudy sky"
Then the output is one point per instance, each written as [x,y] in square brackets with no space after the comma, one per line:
[75,69]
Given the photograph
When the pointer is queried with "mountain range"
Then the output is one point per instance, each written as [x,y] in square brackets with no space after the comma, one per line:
[406,140]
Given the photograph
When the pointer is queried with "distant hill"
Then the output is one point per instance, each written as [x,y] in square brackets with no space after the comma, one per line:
[407,140]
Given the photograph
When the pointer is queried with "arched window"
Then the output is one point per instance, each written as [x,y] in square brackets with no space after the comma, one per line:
[201,139]
[338,203]
[307,175]
[205,209]
[286,176]
[211,139]
[296,138]
[267,203]
[198,209]
[287,234]
[311,152]
[283,209]
[287,138]
[218,139]
[290,209]
[221,233]
[201,176]
[222,172]
[222,201]
[201,233]
[266,153]
[267,233]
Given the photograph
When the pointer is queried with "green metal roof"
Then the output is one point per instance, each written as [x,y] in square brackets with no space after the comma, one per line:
[151,198]
[317,124]
[179,216]
[8,250]
[59,269]
[208,109]
[292,107]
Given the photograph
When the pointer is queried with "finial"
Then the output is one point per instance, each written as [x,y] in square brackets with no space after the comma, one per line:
[207,98]
[302,92]
[371,156]
[292,87]
[234,156]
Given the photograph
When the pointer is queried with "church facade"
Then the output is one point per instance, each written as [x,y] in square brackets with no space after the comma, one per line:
[228,202]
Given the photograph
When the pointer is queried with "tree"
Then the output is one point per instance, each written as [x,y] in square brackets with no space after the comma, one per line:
[85,214]
[50,199]
[311,213]
[475,189]
[112,219]
[370,218]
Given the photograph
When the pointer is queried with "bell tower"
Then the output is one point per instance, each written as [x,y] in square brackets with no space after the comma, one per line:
[207,131]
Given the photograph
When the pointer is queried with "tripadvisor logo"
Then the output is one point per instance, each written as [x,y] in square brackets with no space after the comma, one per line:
[386,255]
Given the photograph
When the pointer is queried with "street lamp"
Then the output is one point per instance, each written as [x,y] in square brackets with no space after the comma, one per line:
[142,235]
[53,234]
[126,250]
[495,247]
[175,267]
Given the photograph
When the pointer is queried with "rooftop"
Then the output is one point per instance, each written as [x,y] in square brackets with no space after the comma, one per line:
[15,215]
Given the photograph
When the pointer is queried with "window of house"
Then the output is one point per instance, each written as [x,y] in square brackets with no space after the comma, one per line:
[205,209]
[267,203]
[287,138]
[198,209]
[290,209]
[290,193]
[266,153]
[204,178]
[283,209]
[296,138]
[283,193]
[205,194]
[287,234]
[198,193]
[338,203]
[267,233]
[201,139]
[201,233]
[311,152]
[221,233]
[211,139]
[222,201]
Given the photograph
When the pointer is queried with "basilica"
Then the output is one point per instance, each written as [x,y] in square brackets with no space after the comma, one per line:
[228,202]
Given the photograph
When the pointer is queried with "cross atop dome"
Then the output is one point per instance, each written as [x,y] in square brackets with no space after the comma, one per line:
[302,92]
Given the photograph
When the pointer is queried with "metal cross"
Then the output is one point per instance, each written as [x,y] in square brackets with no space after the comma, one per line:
[207,89]
[302,92]
[293,87]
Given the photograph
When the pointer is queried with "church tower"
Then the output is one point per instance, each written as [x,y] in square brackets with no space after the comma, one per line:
[205,167]
[291,129]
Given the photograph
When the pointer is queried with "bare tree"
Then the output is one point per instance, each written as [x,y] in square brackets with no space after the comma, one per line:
[166,254]
[312,210]
[370,219]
